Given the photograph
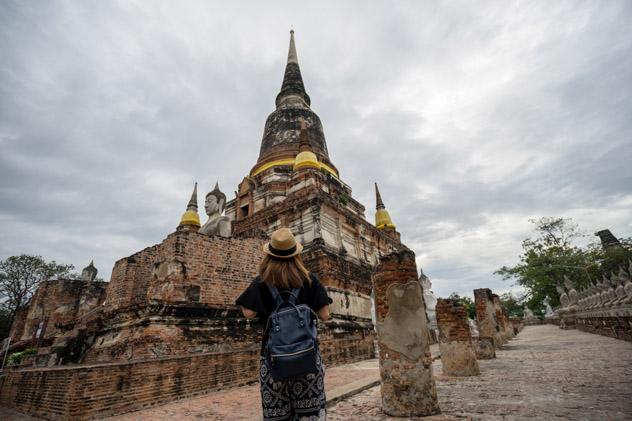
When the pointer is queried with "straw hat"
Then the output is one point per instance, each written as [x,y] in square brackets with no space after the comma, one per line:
[283,244]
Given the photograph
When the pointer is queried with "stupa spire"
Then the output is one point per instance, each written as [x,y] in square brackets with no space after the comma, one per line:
[291,54]
[193,201]
[382,218]
[190,216]
[378,199]
[292,85]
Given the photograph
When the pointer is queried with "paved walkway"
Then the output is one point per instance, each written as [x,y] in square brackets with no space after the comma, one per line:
[543,374]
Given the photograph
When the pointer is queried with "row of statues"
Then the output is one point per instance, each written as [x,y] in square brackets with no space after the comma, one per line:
[609,293]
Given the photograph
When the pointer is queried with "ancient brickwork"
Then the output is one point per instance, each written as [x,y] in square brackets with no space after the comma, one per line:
[187,267]
[486,315]
[19,321]
[458,357]
[54,308]
[81,392]
[408,386]
[505,330]
[104,389]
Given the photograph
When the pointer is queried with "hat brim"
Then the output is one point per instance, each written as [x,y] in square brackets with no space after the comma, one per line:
[299,249]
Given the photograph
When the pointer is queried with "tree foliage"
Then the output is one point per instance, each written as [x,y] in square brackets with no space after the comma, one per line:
[512,304]
[20,276]
[465,302]
[553,255]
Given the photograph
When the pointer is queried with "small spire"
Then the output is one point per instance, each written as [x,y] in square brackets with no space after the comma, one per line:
[378,199]
[291,54]
[190,216]
[382,218]
[193,201]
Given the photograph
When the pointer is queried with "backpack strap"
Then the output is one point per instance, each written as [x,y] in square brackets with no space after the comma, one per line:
[278,298]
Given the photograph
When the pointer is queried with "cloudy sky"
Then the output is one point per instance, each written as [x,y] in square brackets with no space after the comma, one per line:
[472,117]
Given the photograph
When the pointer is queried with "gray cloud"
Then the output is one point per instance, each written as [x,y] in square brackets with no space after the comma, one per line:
[472,118]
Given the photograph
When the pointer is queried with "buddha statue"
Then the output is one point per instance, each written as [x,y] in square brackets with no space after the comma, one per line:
[563,296]
[611,295]
[572,293]
[620,289]
[214,207]
[547,304]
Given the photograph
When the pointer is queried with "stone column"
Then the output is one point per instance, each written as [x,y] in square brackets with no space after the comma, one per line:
[408,386]
[501,320]
[486,316]
[455,342]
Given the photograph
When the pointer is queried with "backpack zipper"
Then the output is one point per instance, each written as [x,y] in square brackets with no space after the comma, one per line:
[292,353]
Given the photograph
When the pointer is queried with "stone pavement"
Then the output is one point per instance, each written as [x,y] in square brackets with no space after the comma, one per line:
[545,373]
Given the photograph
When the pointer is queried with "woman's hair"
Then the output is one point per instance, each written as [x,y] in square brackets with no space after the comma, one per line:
[284,273]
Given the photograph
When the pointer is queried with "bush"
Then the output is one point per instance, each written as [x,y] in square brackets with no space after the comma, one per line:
[16,357]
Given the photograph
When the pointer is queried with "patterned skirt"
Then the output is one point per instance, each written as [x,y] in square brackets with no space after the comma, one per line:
[298,399]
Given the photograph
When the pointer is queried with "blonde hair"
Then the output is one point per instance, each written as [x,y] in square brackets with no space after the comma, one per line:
[284,273]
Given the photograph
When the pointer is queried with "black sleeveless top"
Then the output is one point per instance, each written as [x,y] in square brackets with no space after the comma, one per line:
[257,297]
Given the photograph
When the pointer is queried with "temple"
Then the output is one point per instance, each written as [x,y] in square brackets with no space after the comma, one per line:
[167,318]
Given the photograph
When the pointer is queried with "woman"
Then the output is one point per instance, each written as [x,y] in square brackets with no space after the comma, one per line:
[300,398]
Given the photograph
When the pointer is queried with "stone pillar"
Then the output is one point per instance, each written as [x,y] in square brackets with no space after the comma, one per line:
[408,386]
[486,316]
[484,348]
[500,319]
[455,342]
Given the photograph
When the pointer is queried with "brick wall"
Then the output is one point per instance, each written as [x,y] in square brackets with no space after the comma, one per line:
[452,321]
[55,305]
[187,267]
[82,392]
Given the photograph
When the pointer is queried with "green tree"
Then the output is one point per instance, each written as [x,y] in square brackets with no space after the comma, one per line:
[512,304]
[552,255]
[20,276]
[547,259]
[465,302]
[609,260]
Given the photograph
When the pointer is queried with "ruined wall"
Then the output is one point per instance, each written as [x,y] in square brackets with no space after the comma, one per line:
[486,315]
[54,307]
[79,393]
[458,357]
[19,321]
[505,330]
[190,308]
[187,267]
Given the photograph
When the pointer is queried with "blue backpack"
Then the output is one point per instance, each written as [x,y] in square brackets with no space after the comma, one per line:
[292,345]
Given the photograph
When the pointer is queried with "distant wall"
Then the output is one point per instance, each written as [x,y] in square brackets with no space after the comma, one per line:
[55,305]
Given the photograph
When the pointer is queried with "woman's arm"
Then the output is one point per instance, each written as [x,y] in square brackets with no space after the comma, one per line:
[323,313]
[249,314]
